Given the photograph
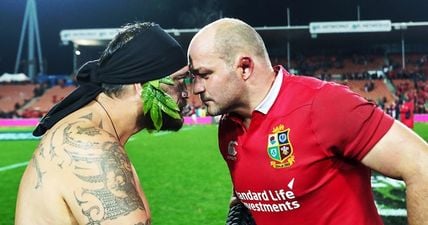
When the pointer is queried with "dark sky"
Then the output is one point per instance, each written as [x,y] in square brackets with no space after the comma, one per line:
[55,15]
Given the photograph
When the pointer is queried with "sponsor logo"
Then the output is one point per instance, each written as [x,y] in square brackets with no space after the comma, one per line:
[280,149]
[270,200]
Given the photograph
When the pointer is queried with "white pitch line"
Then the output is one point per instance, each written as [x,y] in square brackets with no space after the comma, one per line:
[392,212]
[13,166]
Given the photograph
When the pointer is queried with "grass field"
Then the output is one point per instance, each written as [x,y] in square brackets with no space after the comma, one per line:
[183,175]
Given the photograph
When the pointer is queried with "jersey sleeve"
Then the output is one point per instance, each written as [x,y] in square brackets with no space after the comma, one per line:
[345,123]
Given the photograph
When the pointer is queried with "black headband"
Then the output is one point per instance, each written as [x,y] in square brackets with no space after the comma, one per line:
[149,55]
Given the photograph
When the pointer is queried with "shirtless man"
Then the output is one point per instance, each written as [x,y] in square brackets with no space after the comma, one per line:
[80,172]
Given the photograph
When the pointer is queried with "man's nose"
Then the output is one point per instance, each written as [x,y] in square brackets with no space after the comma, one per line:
[197,86]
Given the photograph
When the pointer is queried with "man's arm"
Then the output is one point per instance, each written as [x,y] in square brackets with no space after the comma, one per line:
[404,155]
[141,192]
[101,188]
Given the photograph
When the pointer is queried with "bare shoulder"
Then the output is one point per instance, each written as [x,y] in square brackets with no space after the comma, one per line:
[62,145]
[94,174]
[104,185]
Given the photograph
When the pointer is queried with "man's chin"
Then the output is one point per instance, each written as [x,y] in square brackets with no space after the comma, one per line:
[211,111]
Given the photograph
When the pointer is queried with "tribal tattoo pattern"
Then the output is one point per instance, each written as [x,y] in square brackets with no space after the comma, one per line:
[108,188]
[117,194]
[39,172]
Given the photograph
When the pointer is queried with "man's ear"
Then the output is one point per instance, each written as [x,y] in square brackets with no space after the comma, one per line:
[245,67]
[138,88]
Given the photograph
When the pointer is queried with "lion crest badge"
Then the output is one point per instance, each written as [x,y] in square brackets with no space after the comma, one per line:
[280,149]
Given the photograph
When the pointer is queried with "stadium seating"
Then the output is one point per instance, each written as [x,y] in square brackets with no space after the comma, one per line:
[380,90]
[51,97]
[354,70]
[13,94]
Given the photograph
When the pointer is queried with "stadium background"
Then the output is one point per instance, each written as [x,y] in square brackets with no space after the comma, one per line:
[191,185]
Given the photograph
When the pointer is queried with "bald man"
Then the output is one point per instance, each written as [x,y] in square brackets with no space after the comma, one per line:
[300,150]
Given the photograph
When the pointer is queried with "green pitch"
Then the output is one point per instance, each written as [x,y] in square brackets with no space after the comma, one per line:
[183,175]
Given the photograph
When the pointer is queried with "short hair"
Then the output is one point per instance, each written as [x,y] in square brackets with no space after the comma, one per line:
[126,34]
[233,36]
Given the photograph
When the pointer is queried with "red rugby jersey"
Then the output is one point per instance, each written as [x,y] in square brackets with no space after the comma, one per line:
[298,163]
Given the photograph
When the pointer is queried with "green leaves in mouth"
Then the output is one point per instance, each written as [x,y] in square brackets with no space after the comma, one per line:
[157,101]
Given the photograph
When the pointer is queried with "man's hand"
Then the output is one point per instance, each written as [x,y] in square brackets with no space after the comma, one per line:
[239,215]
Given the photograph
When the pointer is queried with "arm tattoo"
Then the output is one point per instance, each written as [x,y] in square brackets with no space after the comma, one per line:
[69,140]
[52,152]
[90,131]
[41,149]
[107,185]
[111,173]
[87,116]
[39,172]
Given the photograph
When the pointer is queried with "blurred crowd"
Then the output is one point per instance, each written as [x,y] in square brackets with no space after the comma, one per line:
[409,86]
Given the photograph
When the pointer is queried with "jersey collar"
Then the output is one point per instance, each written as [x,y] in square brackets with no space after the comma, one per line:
[270,98]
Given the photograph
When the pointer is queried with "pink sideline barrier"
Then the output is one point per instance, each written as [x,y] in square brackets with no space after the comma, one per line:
[35,121]
[199,120]
[19,122]
[419,118]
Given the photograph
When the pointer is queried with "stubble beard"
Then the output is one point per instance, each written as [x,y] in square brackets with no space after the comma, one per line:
[215,109]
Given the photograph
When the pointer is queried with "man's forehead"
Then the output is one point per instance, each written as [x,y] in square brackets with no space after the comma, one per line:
[203,38]
[196,66]
[201,45]
[203,59]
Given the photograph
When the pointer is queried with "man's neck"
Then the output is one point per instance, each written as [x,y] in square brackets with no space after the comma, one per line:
[119,117]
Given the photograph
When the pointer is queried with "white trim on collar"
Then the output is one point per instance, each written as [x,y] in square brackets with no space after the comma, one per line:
[270,98]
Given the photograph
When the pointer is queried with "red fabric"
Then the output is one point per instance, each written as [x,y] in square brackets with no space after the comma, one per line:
[407,114]
[318,132]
